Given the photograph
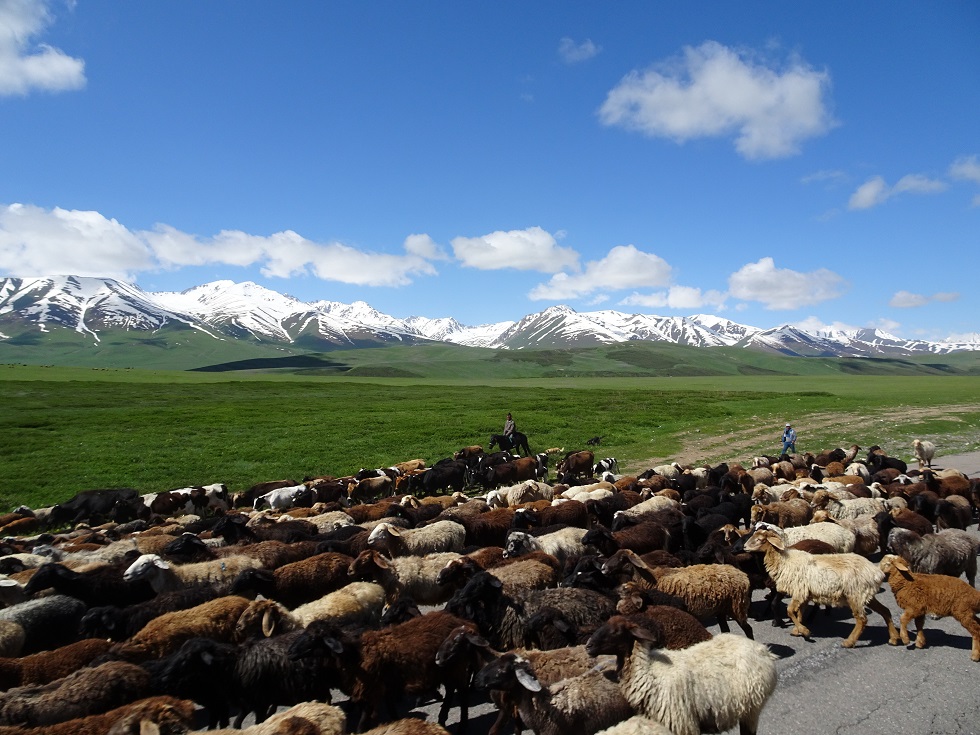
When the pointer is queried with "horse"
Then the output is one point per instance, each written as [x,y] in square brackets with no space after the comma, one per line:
[517,440]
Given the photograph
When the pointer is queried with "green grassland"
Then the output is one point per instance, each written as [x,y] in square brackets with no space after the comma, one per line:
[63,430]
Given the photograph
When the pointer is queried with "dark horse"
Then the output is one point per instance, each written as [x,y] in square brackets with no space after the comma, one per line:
[517,440]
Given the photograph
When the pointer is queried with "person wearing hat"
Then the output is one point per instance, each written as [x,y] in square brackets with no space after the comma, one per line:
[789,439]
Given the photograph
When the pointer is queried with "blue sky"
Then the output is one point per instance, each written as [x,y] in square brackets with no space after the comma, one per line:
[813,163]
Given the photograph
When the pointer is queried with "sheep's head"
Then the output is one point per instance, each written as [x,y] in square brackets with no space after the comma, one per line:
[893,561]
[460,641]
[367,565]
[506,673]
[145,567]
[259,620]
[765,536]
[617,635]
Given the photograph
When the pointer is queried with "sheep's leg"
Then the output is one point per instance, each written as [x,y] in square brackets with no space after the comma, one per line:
[972,625]
[743,623]
[723,624]
[903,626]
[793,610]
[749,724]
[920,633]
[875,604]
[860,620]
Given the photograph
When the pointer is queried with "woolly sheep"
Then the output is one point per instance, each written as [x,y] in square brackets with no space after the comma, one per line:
[357,602]
[709,687]
[299,582]
[166,577]
[951,551]
[151,716]
[436,537]
[936,594]
[636,725]
[561,544]
[415,577]
[841,538]
[708,590]
[830,579]
[503,617]
[47,622]
[46,666]
[87,691]
[924,451]
[410,658]
[582,704]
[11,638]
[306,718]
[215,619]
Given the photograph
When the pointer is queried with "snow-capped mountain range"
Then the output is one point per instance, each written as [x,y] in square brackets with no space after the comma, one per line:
[229,310]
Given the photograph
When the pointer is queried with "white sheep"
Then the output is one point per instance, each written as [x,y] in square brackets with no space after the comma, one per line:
[524,492]
[166,577]
[431,539]
[357,602]
[825,579]
[924,451]
[561,544]
[709,687]
[280,499]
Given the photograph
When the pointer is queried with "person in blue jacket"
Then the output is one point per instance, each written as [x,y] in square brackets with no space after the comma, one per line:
[789,439]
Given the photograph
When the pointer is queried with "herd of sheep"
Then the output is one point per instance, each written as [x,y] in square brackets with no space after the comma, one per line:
[339,605]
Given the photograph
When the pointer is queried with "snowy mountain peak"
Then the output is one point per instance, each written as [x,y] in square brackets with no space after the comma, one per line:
[226,309]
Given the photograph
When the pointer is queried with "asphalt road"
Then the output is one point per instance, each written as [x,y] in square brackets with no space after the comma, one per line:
[874,688]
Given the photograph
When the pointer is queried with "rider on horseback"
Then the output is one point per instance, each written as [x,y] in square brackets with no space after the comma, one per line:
[509,426]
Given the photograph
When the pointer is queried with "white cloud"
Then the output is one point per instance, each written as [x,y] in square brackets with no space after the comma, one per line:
[966,168]
[24,65]
[38,242]
[876,191]
[828,177]
[677,297]
[35,241]
[623,267]
[781,288]
[572,53]
[909,300]
[532,249]
[714,91]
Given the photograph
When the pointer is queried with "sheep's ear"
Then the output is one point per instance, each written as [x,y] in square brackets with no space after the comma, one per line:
[642,634]
[158,562]
[636,561]
[527,679]
[207,657]
[394,530]
[268,623]
[381,560]
[148,727]
[775,541]
[334,645]
[900,564]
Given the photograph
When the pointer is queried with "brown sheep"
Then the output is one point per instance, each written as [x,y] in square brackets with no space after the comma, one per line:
[784,513]
[170,717]
[47,666]
[936,594]
[87,691]
[164,635]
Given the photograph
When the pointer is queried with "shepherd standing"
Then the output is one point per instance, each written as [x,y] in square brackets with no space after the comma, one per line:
[789,439]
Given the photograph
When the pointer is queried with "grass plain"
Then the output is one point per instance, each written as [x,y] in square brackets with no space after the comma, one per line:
[63,430]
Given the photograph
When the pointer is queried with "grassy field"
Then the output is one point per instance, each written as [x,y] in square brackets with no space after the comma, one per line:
[63,430]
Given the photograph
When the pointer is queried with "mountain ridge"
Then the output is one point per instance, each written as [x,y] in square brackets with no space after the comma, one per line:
[228,310]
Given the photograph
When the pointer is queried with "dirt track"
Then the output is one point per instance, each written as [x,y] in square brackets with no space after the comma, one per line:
[883,426]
